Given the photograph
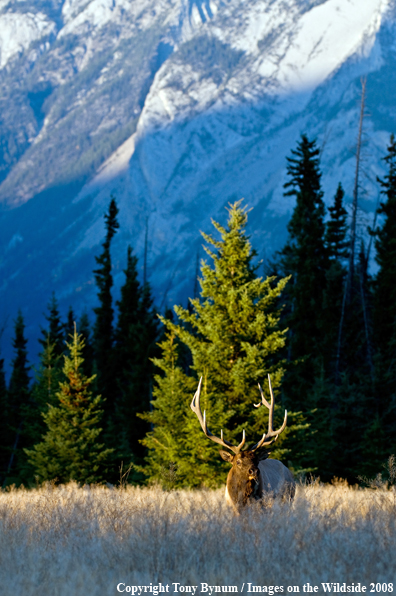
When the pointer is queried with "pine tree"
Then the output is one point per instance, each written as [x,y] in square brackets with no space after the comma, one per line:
[135,337]
[18,396]
[103,330]
[234,339]
[71,448]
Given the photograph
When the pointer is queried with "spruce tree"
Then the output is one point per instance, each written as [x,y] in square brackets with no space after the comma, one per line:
[175,442]
[72,449]
[336,228]
[44,389]
[234,339]
[304,256]
[69,324]
[87,351]
[336,245]
[384,306]
[54,334]
[18,396]
[135,342]
[103,330]
[385,243]
[43,394]
[5,439]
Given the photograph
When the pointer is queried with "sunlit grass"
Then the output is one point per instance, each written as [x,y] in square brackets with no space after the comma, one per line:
[72,540]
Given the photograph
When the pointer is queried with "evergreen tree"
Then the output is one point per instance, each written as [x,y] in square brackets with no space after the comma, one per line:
[103,330]
[43,394]
[336,228]
[337,250]
[135,337]
[71,448]
[351,371]
[384,284]
[234,339]
[384,307]
[87,350]
[18,396]
[176,443]
[312,256]
[55,333]
[45,387]
[304,256]
[5,439]
[69,325]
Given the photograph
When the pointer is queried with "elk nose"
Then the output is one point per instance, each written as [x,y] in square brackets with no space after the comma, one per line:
[252,472]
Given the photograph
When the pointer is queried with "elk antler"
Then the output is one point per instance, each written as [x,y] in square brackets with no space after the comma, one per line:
[196,408]
[271,434]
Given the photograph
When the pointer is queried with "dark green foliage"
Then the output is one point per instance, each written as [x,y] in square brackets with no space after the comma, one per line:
[43,395]
[384,304]
[46,385]
[18,396]
[336,228]
[4,427]
[385,244]
[87,350]
[69,325]
[103,330]
[55,333]
[336,245]
[135,338]
[179,454]
[234,339]
[72,449]
[305,256]
[329,316]
[313,256]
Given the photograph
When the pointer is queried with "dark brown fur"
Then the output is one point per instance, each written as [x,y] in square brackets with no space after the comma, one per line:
[245,481]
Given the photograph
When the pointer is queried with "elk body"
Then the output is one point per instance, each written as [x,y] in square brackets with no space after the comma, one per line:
[252,476]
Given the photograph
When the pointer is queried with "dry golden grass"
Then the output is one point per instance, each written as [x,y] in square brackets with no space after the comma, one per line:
[68,541]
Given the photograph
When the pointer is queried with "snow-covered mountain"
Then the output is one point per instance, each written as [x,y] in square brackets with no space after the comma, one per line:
[177,107]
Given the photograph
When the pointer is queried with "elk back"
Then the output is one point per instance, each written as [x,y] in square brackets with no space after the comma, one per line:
[276,480]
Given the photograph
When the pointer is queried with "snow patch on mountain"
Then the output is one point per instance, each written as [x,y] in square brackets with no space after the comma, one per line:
[327,35]
[85,16]
[19,30]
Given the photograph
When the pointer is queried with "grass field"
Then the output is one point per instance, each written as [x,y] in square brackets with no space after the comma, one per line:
[85,541]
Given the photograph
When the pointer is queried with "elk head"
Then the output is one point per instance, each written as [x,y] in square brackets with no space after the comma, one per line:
[244,481]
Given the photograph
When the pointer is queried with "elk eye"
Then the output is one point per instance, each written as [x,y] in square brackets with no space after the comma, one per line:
[239,463]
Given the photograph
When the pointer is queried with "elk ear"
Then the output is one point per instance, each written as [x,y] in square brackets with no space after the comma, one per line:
[226,456]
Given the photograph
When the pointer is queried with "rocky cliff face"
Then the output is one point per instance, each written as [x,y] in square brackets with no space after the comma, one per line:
[177,107]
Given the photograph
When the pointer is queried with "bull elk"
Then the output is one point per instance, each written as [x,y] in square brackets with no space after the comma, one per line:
[253,476]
